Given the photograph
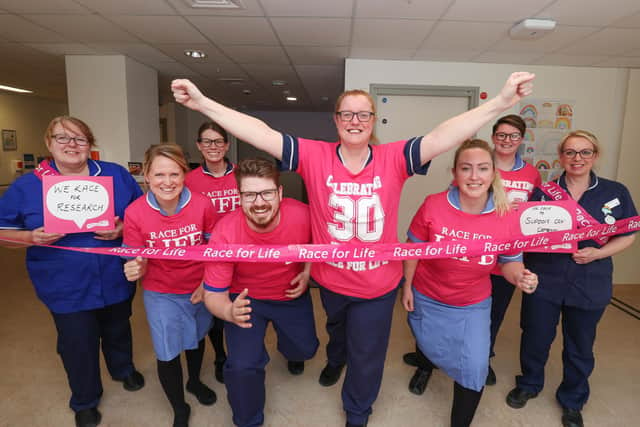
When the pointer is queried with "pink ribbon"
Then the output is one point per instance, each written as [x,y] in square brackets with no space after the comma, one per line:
[365,253]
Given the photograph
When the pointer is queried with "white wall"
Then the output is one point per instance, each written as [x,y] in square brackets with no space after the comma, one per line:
[96,94]
[143,109]
[626,270]
[29,117]
[601,95]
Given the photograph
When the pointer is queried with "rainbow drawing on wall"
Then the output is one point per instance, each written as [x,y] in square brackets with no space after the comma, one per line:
[565,110]
[530,122]
[545,123]
[530,150]
[556,164]
[529,110]
[529,135]
[543,164]
[562,123]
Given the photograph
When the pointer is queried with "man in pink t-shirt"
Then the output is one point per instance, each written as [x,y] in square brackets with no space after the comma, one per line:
[249,295]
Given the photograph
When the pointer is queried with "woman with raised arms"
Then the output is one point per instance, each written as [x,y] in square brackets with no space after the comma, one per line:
[357,296]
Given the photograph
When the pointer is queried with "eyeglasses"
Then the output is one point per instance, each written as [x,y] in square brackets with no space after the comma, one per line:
[220,142]
[251,196]
[65,139]
[501,136]
[347,116]
[585,154]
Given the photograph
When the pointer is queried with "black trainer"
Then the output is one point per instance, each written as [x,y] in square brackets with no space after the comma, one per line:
[134,382]
[419,381]
[410,359]
[517,398]
[330,375]
[204,394]
[295,367]
[88,417]
[571,418]
[491,377]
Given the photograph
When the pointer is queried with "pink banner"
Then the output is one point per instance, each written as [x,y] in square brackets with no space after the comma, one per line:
[359,253]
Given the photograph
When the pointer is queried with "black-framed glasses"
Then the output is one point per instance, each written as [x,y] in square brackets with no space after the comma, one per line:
[251,196]
[61,138]
[585,154]
[218,142]
[363,116]
[501,136]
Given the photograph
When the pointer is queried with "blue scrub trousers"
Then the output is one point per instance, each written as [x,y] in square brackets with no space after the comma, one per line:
[539,319]
[247,356]
[358,336]
[501,294]
[80,336]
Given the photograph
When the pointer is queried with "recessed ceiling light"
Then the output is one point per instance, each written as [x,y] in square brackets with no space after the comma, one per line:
[195,54]
[222,4]
[278,83]
[15,89]
[292,98]
[324,98]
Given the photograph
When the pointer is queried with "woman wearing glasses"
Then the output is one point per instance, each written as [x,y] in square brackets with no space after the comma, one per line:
[354,190]
[519,179]
[215,179]
[577,285]
[88,295]
[171,216]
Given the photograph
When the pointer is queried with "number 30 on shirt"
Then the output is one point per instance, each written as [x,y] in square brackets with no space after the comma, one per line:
[362,218]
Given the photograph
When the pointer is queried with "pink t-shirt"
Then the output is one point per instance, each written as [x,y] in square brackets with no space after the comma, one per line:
[462,280]
[264,280]
[519,184]
[357,208]
[146,226]
[222,190]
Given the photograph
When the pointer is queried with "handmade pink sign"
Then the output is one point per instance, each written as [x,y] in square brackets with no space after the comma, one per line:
[73,204]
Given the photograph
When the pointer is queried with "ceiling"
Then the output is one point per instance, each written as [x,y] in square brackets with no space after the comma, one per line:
[302,42]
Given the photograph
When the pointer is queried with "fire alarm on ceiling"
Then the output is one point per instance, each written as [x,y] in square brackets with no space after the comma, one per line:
[531,29]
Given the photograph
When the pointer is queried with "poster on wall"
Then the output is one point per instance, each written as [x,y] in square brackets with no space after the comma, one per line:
[9,140]
[548,121]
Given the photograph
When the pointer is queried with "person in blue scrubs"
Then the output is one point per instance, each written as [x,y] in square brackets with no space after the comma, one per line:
[88,295]
[577,286]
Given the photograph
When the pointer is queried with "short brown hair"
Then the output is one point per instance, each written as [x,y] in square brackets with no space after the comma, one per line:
[170,151]
[258,167]
[214,127]
[512,120]
[84,128]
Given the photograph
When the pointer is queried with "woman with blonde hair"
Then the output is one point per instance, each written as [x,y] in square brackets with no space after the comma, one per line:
[449,299]
[577,286]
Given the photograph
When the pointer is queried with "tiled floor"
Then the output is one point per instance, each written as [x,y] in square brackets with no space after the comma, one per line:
[34,392]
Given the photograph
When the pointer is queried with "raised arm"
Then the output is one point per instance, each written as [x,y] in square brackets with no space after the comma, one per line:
[247,128]
[456,130]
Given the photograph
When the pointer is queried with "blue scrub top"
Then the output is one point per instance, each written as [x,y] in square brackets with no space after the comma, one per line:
[67,281]
[586,286]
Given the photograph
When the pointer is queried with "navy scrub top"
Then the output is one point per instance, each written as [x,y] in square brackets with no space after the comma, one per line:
[67,281]
[586,286]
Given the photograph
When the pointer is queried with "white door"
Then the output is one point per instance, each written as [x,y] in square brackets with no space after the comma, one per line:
[404,116]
